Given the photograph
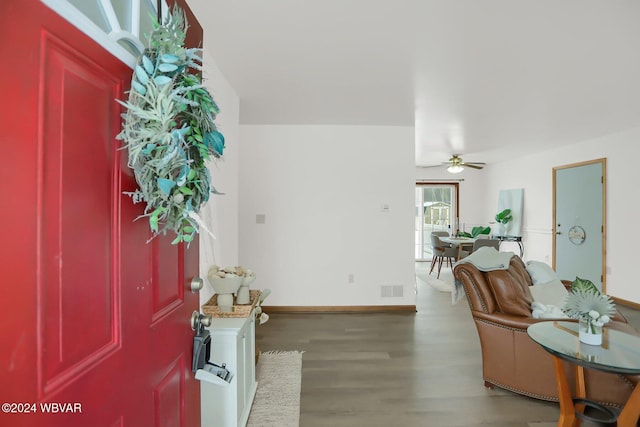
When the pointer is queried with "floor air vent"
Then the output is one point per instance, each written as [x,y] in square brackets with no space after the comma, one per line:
[391,291]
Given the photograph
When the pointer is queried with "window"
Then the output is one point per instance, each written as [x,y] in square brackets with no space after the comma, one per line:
[436,210]
[120,26]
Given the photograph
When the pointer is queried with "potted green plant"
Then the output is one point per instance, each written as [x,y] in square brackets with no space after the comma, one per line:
[591,307]
[503,218]
[476,231]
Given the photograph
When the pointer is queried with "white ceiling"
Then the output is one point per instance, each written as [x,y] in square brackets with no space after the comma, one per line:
[490,79]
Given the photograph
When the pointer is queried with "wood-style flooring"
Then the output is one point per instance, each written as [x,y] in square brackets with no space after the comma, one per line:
[399,369]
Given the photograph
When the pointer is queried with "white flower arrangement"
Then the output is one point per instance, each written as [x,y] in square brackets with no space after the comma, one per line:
[586,302]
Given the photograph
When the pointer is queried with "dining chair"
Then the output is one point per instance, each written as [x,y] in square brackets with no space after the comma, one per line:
[494,243]
[441,252]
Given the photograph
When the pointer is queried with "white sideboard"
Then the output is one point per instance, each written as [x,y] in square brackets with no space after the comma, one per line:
[233,343]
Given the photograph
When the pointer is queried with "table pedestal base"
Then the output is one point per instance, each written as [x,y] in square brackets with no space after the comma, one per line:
[572,410]
[605,416]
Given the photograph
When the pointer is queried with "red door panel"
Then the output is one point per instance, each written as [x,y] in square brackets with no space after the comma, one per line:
[168,284]
[92,317]
[75,215]
[168,395]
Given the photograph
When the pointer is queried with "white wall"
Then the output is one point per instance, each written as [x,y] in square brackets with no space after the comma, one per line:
[221,212]
[534,174]
[321,189]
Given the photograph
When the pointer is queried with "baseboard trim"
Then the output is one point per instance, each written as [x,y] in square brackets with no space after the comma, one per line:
[626,303]
[339,309]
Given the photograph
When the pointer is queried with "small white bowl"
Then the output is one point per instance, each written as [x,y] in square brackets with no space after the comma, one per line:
[247,280]
[225,285]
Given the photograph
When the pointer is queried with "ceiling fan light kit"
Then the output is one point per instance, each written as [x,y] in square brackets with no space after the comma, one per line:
[457,165]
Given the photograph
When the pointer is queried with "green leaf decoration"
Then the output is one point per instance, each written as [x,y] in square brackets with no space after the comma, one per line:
[214,191]
[162,80]
[581,303]
[141,75]
[176,135]
[166,185]
[148,149]
[169,131]
[504,216]
[214,108]
[142,90]
[169,58]
[181,180]
[153,220]
[167,68]
[478,230]
[147,64]
[584,285]
[215,140]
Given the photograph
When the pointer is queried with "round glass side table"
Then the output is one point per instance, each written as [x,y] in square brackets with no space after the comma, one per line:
[619,353]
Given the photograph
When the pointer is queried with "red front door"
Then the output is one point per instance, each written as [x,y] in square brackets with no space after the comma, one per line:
[94,321]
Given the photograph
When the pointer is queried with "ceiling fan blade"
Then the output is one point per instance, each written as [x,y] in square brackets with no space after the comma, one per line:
[475,163]
[471,165]
[433,166]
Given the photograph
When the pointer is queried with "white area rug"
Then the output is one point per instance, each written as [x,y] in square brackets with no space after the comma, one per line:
[443,284]
[277,401]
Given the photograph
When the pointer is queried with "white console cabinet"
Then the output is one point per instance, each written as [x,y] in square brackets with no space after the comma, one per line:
[232,343]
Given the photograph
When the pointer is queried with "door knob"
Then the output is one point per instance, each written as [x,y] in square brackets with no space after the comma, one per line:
[196,284]
[198,320]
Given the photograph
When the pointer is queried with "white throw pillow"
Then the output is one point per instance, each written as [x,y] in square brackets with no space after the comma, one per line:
[541,311]
[540,272]
[548,291]
[552,293]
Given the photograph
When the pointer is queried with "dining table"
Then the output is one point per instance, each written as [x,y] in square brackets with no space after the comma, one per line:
[460,242]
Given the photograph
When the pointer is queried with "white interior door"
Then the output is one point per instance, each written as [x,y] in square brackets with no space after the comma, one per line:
[579,224]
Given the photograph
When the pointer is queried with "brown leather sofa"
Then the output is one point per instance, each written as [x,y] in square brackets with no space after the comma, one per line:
[500,303]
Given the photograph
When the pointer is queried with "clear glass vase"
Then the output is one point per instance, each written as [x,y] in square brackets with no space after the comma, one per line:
[589,332]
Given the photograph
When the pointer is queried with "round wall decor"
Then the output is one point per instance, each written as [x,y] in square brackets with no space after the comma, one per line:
[577,235]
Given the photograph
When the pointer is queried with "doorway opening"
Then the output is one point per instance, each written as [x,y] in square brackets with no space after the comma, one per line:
[436,210]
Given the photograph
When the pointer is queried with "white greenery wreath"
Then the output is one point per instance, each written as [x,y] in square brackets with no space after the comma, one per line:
[169,131]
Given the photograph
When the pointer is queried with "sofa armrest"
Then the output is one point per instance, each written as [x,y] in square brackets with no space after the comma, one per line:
[521,323]
[511,321]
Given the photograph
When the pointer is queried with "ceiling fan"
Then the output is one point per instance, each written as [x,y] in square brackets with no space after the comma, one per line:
[457,165]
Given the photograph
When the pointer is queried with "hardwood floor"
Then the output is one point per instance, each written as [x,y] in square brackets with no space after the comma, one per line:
[400,369]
